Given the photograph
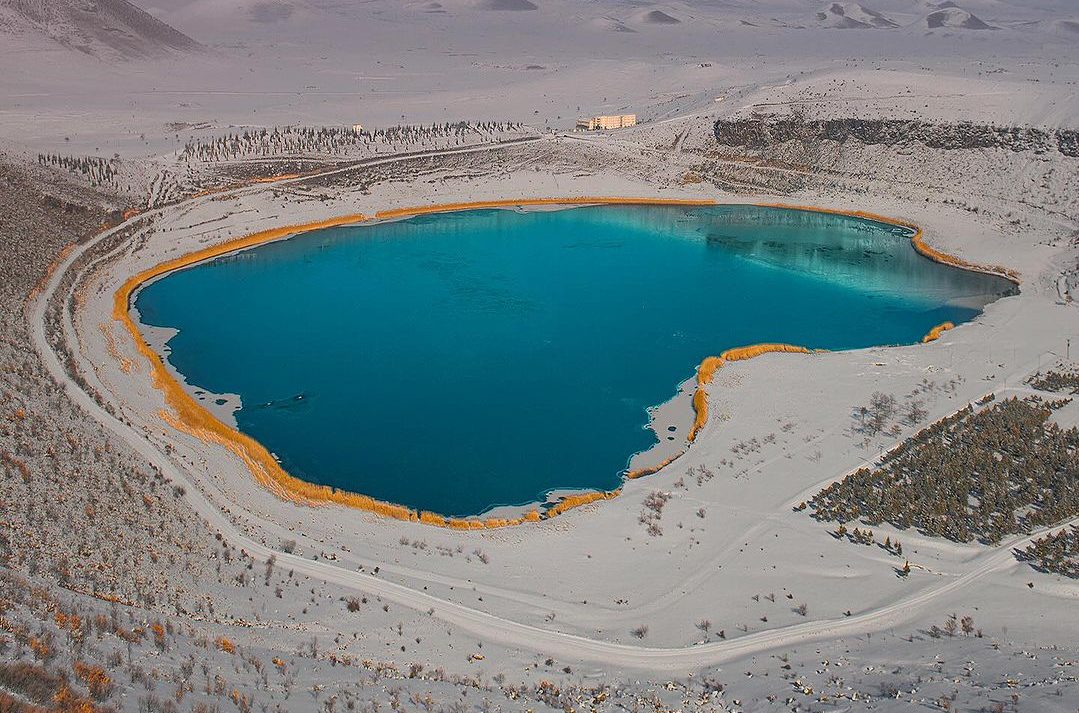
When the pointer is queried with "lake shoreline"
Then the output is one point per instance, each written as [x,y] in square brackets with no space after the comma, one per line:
[195,418]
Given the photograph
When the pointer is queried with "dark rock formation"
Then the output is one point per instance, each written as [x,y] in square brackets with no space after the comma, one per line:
[758,133]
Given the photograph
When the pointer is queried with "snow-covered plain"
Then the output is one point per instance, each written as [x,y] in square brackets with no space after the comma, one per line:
[591,588]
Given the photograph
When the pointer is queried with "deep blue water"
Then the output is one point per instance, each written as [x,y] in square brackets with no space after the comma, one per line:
[461,361]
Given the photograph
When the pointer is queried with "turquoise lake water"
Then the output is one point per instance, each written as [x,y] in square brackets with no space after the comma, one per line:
[462,361]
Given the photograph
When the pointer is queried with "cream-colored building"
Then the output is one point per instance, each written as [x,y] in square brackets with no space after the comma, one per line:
[612,121]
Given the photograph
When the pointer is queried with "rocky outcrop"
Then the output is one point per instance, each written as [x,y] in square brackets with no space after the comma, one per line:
[761,132]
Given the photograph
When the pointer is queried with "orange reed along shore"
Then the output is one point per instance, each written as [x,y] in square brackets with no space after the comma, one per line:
[934,333]
[186,414]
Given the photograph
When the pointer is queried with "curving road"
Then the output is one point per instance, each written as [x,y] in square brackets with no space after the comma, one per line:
[484,625]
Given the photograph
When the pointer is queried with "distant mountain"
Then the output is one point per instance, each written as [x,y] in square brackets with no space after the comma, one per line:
[103,28]
[646,17]
[658,17]
[951,16]
[852,16]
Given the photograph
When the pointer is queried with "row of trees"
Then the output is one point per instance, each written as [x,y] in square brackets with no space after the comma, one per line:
[342,141]
[98,171]
[973,475]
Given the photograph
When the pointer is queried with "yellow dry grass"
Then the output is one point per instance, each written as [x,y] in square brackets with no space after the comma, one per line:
[707,371]
[641,472]
[575,501]
[935,332]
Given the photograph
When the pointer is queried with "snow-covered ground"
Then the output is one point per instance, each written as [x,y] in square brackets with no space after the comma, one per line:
[592,588]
